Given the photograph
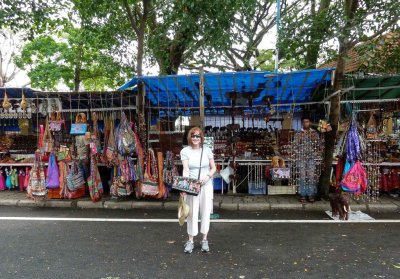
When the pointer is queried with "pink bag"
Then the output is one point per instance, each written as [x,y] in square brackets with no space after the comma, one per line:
[21,180]
[53,174]
[27,175]
[2,181]
[355,180]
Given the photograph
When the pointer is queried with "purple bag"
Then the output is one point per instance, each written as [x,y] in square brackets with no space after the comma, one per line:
[53,174]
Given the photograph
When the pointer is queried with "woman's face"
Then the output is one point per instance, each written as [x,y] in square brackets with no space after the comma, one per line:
[196,138]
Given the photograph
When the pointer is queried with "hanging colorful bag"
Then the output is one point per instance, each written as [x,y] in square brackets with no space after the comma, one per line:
[2,181]
[111,148]
[48,141]
[94,181]
[170,170]
[163,192]
[150,181]
[125,138]
[37,180]
[53,174]
[80,126]
[27,175]
[21,180]
[75,178]
[55,122]
[355,180]
[119,187]
[8,179]
[63,153]
[14,179]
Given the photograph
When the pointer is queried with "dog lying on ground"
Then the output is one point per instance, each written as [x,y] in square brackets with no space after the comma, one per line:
[339,203]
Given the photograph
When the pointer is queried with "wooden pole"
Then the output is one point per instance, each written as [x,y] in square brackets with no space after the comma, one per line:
[201,98]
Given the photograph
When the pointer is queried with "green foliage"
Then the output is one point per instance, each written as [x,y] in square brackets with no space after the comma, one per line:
[309,32]
[32,16]
[190,31]
[72,57]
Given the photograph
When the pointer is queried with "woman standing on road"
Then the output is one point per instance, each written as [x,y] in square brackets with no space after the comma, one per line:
[190,157]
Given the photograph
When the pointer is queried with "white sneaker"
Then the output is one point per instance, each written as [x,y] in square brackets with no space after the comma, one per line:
[204,246]
[189,247]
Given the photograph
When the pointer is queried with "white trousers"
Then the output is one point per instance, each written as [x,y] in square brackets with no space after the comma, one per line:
[203,203]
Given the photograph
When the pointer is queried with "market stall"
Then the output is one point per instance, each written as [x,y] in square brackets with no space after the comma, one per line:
[55,143]
[248,118]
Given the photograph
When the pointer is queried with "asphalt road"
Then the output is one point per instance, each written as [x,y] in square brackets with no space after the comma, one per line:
[75,249]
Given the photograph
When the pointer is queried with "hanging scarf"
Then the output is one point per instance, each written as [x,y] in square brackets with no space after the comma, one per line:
[353,144]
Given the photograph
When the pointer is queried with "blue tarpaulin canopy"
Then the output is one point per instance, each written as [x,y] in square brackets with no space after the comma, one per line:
[257,86]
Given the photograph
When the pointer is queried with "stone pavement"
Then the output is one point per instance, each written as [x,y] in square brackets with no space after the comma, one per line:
[225,202]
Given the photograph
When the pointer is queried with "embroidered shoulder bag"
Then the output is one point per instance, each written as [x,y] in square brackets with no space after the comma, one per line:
[188,185]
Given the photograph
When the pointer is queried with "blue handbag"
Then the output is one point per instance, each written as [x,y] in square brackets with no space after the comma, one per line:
[78,129]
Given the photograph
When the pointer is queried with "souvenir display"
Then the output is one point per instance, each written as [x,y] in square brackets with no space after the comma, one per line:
[306,157]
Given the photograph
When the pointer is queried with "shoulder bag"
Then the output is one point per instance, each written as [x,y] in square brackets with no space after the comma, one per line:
[188,185]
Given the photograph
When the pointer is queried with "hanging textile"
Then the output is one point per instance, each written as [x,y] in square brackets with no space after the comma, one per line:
[37,179]
[150,182]
[53,175]
[94,180]
[353,144]
[170,171]
[125,138]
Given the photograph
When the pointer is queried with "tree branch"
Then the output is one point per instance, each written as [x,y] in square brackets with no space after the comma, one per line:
[131,16]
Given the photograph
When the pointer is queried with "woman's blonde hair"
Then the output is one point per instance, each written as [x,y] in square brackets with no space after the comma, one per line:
[192,131]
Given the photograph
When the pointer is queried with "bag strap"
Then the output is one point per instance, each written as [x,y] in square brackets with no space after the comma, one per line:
[201,159]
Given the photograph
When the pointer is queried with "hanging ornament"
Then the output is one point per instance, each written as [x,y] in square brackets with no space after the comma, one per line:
[6,103]
[24,103]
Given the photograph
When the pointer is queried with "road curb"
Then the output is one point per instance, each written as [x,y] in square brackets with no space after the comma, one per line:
[287,206]
[218,204]
[229,206]
[9,202]
[254,206]
[386,207]
[118,205]
[89,204]
[147,205]
[170,205]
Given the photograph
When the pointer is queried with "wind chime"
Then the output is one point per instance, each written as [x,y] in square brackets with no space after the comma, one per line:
[305,147]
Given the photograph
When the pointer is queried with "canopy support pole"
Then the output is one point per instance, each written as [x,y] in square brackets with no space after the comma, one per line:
[201,98]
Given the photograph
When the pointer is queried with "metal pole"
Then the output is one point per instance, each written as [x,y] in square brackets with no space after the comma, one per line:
[278,21]
[201,98]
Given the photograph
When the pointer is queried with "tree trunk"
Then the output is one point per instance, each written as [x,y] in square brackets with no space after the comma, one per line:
[334,112]
[77,78]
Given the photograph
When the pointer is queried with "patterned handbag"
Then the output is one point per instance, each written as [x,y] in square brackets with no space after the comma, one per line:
[110,148]
[188,185]
[94,181]
[170,171]
[55,122]
[37,180]
[150,185]
[119,187]
[75,178]
[125,138]
[48,141]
